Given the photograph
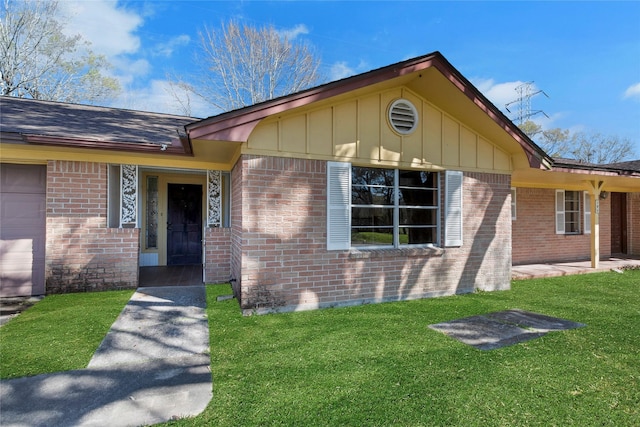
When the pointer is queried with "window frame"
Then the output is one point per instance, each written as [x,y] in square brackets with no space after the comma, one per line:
[339,208]
[561,212]
[395,207]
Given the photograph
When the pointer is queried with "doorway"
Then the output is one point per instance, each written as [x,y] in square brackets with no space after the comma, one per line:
[184,224]
[618,223]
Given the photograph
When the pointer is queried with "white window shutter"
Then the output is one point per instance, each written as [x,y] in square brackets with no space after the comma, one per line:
[453,208]
[560,212]
[338,206]
[587,213]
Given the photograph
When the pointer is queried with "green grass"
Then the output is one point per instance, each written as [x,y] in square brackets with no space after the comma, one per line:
[59,333]
[380,365]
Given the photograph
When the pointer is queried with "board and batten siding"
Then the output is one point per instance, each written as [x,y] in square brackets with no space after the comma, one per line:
[357,131]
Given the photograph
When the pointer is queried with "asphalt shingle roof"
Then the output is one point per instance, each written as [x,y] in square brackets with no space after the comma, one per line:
[88,123]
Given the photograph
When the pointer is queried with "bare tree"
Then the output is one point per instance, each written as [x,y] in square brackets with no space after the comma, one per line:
[592,147]
[597,148]
[39,61]
[239,65]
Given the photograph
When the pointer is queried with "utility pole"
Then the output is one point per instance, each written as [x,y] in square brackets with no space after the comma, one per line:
[525,93]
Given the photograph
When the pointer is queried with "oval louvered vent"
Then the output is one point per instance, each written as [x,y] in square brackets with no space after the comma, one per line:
[403,116]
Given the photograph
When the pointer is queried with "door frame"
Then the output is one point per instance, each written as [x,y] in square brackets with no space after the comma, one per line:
[164,179]
[621,212]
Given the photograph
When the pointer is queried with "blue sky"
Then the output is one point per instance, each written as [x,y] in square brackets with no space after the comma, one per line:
[584,55]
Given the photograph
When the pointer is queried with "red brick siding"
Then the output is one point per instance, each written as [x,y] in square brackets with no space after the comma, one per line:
[236,228]
[82,254]
[217,255]
[534,231]
[633,223]
[285,264]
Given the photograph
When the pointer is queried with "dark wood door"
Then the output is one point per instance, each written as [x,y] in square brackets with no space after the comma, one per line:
[618,223]
[184,224]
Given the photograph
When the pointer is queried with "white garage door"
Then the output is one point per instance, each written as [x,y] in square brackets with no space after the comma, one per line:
[22,229]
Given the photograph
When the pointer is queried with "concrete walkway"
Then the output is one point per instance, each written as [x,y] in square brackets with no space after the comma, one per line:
[153,366]
[532,271]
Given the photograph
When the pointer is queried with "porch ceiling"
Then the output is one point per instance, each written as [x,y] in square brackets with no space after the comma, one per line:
[220,152]
[575,179]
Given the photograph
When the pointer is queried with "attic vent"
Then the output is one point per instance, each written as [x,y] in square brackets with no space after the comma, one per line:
[403,116]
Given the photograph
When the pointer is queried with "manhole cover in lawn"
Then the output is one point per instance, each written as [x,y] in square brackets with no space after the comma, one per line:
[503,328]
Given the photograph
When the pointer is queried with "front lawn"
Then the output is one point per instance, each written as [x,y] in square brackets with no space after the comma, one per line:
[59,333]
[380,365]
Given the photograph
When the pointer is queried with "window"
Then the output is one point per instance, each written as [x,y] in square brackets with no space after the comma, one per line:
[151,232]
[587,213]
[567,212]
[513,204]
[381,208]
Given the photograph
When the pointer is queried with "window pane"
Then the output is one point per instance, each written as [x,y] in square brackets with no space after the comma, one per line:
[372,176]
[372,217]
[418,235]
[372,236]
[572,222]
[572,212]
[371,195]
[418,179]
[418,197]
[152,212]
[418,216]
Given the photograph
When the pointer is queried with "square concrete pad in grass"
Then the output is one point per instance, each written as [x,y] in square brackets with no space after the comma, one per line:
[503,328]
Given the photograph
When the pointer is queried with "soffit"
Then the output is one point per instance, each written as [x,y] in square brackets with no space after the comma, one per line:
[575,179]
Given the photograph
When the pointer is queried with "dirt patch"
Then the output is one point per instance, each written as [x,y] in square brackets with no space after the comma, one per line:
[12,306]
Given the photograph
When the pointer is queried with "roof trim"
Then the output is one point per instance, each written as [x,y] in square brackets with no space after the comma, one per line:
[237,125]
[575,166]
[178,146]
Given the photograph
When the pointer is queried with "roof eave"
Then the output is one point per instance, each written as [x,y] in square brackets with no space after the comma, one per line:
[237,125]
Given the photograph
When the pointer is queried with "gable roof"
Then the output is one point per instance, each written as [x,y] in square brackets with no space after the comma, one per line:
[56,123]
[237,125]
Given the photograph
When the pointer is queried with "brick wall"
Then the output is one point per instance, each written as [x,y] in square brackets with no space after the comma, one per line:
[633,223]
[82,254]
[236,228]
[217,255]
[281,239]
[534,231]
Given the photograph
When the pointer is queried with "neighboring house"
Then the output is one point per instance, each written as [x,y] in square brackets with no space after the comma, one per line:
[390,185]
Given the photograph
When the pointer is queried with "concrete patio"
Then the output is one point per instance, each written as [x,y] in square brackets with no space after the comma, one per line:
[531,271]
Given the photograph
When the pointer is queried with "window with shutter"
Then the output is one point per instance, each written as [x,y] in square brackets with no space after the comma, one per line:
[559,211]
[338,206]
[453,208]
[377,208]
[587,213]
[567,212]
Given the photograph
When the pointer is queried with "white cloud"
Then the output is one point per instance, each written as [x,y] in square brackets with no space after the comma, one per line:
[158,97]
[167,49]
[633,91]
[500,94]
[340,70]
[109,28]
[292,33]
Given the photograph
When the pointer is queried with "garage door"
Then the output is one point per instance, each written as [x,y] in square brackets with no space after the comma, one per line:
[22,229]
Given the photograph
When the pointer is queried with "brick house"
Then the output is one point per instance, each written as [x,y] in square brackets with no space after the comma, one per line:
[576,211]
[390,185]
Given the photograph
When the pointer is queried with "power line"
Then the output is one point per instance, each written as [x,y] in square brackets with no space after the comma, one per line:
[525,93]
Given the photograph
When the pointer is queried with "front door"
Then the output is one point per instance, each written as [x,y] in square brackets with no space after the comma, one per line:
[184,224]
[618,223]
